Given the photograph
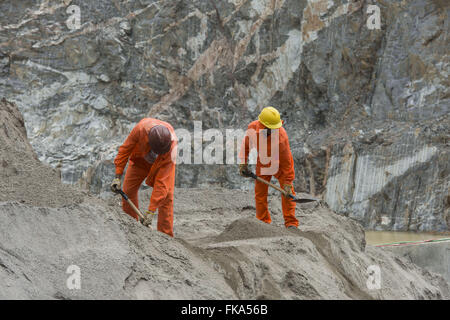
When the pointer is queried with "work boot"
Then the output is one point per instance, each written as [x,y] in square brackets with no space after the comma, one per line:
[292,227]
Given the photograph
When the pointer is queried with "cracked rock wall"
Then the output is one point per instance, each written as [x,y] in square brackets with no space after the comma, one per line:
[339,86]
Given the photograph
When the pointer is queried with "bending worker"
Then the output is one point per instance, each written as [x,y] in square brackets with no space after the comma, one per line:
[149,149]
[274,159]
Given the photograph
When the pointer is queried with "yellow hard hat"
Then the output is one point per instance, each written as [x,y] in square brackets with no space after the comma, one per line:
[270,117]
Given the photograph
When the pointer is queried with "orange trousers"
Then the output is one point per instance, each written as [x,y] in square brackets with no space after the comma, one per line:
[262,210]
[135,175]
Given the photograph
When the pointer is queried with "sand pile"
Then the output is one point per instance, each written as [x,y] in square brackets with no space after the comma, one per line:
[327,258]
[250,228]
[22,177]
[220,251]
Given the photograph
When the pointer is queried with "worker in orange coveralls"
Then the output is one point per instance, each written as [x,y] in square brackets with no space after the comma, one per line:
[151,151]
[274,159]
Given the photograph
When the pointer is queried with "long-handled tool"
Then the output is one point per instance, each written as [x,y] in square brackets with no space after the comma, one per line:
[145,221]
[292,197]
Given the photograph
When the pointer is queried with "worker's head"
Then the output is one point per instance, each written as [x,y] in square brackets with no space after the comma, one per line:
[159,139]
[270,118]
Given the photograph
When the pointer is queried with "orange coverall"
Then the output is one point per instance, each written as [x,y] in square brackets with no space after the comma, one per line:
[285,173]
[160,175]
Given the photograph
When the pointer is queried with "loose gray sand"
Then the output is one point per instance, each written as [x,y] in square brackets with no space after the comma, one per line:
[22,177]
[220,250]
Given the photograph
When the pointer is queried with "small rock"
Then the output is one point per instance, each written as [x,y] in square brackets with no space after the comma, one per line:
[125,28]
[103,78]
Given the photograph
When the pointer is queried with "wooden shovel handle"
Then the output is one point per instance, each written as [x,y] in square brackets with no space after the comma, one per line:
[284,193]
[254,176]
[138,212]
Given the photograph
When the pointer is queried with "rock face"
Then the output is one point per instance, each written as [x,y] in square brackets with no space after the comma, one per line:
[45,246]
[394,178]
[358,102]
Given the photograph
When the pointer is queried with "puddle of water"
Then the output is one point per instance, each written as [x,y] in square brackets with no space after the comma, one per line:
[382,237]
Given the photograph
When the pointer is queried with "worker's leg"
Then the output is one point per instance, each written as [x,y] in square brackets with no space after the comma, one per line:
[133,179]
[262,210]
[165,215]
[288,208]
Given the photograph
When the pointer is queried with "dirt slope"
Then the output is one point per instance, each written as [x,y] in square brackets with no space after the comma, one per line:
[22,177]
[220,250]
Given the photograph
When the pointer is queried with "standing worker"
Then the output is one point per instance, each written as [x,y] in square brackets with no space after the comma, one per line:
[151,151]
[260,135]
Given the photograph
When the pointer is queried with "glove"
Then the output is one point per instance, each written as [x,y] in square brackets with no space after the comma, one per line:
[115,185]
[243,170]
[288,189]
[149,212]
[148,218]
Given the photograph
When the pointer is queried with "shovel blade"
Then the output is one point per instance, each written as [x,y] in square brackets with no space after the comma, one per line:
[305,200]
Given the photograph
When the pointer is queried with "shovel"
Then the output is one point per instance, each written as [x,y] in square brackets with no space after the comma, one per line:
[292,197]
[145,221]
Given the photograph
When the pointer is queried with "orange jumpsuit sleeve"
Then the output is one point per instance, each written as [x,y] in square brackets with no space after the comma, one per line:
[286,160]
[245,146]
[164,182]
[126,149]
